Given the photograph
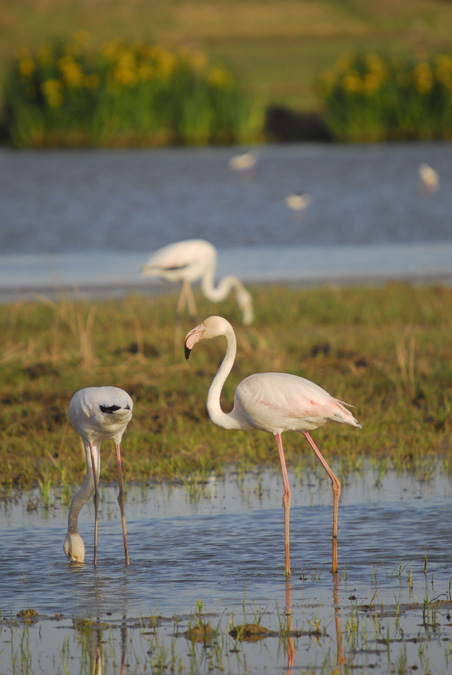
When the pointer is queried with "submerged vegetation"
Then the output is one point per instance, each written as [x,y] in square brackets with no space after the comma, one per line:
[385,350]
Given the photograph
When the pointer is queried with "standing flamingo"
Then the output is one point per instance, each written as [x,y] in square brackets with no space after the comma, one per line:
[274,402]
[189,261]
[97,414]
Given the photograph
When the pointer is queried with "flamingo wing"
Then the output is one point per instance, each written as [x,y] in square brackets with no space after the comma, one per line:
[280,402]
[181,261]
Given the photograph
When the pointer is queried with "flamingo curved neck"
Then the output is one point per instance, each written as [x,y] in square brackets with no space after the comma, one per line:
[85,492]
[222,290]
[216,414]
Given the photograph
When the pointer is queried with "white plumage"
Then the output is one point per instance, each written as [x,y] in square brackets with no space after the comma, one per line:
[193,260]
[97,414]
[273,402]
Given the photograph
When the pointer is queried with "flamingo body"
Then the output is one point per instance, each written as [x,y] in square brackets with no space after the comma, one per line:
[273,402]
[97,414]
[429,178]
[278,402]
[244,161]
[298,201]
[190,261]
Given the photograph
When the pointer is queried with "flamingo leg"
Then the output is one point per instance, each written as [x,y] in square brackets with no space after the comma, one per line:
[336,493]
[121,501]
[182,299]
[191,304]
[286,501]
[96,500]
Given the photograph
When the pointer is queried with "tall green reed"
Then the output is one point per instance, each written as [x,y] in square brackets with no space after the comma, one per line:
[371,97]
[120,94]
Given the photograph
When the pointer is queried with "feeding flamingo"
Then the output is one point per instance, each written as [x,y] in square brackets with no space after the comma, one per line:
[298,201]
[429,178]
[190,260]
[274,402]
[245,161]
[97,414]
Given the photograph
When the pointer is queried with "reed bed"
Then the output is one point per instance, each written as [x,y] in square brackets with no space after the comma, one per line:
[75,93]
[386,350]
[373,97]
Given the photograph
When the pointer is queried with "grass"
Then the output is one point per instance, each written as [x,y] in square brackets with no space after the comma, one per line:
[278,49]
[386,350]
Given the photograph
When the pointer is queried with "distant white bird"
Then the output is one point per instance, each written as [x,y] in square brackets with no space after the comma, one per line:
[97,414]
[191,260]
[298,201]
[244,161]
[429,177]
[274,402]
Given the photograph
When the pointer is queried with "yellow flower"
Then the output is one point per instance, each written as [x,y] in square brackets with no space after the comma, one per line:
[125,76]
[52,91]
[26,67]
[146,71]
[423,77]
[71,71]
[371,83]
[375,63]
[219,78]
[167,62]
[352,83]
[444,70]
[110,49]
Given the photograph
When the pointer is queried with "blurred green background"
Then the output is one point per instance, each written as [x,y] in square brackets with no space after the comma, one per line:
[276,50]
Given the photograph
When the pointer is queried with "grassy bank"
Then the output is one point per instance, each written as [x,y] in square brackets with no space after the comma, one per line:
[278,49]
[385,350]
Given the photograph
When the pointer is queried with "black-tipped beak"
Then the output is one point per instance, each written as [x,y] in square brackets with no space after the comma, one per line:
[187,352]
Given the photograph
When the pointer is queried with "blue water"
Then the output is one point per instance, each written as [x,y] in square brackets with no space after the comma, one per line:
[90,218]
[215,551]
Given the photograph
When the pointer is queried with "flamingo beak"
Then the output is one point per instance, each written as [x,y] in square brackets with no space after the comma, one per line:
[192,338]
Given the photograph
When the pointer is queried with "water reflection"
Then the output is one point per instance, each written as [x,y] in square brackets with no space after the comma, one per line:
[95,650]
[178,561]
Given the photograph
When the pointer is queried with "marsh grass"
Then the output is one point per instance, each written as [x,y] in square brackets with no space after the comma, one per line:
[386,350]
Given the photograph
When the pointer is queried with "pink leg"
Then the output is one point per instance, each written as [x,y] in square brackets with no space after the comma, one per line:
[121,501]
[286,501]
[336,493]
[96,500]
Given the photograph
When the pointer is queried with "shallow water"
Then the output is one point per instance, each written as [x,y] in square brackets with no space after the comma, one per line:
[218,549]
[91,218]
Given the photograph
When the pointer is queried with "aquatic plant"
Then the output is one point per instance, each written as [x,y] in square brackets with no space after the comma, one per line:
[117,93]
[371,97]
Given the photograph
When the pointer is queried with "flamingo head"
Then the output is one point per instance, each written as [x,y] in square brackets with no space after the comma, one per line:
[74,547]
[211,327]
